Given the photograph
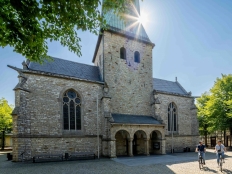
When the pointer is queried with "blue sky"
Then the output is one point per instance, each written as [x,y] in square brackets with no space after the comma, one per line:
[193,41]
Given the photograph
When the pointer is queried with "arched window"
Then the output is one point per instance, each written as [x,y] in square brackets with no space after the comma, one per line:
[172,117]
[122,53]
[71,110]
[137,57]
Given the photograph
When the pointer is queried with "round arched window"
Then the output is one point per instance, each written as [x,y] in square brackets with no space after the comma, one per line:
[137,57]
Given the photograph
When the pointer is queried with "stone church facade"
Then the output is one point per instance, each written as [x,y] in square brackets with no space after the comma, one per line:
[61,106]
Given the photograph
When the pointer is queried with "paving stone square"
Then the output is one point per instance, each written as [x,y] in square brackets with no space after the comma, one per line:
[161,164]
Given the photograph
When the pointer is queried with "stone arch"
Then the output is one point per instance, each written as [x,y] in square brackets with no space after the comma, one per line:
[156,138]
[69,88]
[141,134]
[122,144]
[115,130]
[139,142]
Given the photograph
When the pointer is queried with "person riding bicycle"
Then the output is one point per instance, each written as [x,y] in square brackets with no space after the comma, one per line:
[201,150]
[220,149]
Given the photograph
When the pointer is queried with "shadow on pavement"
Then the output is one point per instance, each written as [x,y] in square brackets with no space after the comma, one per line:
[226,171]
[209,170]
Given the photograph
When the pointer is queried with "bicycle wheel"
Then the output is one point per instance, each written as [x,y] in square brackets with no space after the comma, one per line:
[221,163]
[200,163]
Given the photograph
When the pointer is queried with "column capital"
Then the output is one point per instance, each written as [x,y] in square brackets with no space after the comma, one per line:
[130,139]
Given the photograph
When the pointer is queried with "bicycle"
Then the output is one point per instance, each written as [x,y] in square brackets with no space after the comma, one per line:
[201,161]
[220,161]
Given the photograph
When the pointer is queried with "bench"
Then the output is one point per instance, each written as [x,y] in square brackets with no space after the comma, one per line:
[81,155]
[48,157]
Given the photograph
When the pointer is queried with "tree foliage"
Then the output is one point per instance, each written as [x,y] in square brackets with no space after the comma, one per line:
[5,115]
[28,25]
[204,125]
[215,108]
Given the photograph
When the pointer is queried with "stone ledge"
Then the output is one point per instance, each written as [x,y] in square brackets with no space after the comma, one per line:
[174,135]
[55,136]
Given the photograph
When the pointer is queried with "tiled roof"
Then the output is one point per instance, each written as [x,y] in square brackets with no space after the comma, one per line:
[168,86]
[134,119]
[68,68]
[119,25]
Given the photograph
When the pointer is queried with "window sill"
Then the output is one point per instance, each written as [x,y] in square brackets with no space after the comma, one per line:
[72,132]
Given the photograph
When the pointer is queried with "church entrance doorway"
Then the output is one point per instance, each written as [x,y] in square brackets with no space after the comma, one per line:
[156,142]
[135,145]
[139,143]
[122,145]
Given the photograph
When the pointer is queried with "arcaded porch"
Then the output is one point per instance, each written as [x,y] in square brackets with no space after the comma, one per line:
[136,135]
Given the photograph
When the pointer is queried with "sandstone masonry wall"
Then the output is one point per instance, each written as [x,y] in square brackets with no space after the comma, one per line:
[39,122]
[130,83]
[187,134]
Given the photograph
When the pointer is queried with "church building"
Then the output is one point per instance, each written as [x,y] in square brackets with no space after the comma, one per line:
[114,107]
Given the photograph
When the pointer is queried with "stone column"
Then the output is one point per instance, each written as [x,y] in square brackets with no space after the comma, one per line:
[113,148]
[147,146]
[163,148]
[130,146]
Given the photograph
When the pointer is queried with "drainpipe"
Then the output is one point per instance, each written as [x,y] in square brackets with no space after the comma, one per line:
[103,57]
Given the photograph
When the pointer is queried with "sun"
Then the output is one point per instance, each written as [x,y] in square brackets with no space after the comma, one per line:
[142,19]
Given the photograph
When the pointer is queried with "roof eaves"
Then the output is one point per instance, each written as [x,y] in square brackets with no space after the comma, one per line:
[182,87]
[60,76]
[131,36]
[113,123]
[171,93]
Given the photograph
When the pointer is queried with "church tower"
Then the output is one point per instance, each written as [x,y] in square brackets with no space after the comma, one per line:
[124,56]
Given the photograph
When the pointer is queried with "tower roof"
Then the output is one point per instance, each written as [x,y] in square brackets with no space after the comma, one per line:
[128,25]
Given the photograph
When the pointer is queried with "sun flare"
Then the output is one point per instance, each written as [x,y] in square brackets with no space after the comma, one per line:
[142,19]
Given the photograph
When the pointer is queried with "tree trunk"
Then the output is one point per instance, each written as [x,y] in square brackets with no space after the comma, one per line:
[206,139]
[225,142]
[3,140]
[205,134]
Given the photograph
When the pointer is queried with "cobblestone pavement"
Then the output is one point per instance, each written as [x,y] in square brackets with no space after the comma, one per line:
[178,163]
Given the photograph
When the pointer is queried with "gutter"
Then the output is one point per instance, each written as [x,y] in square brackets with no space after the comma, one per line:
[52,75]
[136,124]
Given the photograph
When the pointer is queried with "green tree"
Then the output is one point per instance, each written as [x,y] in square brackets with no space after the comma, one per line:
[215,107]
[5,115]
[5,118]
[27,25]
[204,122]
[220,103]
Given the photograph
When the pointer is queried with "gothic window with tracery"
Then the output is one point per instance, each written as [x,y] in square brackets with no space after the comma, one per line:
[172,117]
[71,110]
